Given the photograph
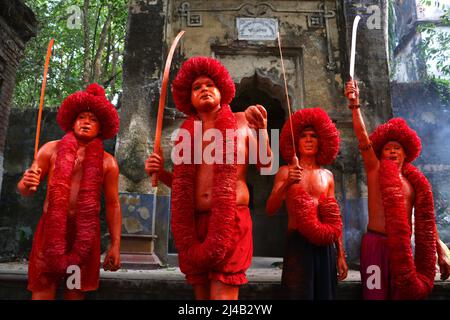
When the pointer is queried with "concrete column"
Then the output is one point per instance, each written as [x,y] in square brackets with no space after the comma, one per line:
[372,74]
[145,54]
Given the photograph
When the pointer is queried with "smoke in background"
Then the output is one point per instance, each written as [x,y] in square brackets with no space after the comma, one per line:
[428,112]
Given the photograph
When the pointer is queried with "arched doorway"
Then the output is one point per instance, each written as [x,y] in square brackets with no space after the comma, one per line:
[268,232]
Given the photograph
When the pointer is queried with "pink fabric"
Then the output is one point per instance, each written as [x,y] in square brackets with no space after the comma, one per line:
[374,252]
[232,269]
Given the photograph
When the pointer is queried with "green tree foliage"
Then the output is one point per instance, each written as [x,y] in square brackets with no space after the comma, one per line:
[435,49]
[70,68]
[435,46]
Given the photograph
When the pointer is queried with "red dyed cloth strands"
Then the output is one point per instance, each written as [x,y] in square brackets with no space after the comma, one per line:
[322,225]
[413,277]
[195,256]
[52,251]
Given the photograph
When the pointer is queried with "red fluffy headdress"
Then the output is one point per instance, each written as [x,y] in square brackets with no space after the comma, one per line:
[397,130]
[92,100]
[201,66]
[324,128]
[321,225]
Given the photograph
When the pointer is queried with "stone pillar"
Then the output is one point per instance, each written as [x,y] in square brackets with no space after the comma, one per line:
[17,25]
[145,54]
[371,66]
[372,74]
[141,80]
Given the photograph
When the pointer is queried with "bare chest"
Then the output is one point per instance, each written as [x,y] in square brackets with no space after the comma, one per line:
[76,175]
[315,182]
[213,151]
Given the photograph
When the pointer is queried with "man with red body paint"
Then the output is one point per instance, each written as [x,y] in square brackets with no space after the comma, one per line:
[395,187]
[211,221]
[314,257]
[68,233]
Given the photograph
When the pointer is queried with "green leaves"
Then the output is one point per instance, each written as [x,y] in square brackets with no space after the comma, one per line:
[435,45]
[63,21]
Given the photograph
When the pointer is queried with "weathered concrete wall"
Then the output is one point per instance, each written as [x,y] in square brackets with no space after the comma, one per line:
[421,106]
[143,60]
[306,48]
[408,65]
[405,18]
[19,215]
[17,26]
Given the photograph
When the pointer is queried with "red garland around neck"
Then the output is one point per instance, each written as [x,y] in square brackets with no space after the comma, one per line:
[56,249]
[322,225]
[413,277]
[193,255]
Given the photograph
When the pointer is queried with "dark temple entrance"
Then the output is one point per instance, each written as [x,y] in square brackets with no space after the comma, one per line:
[268,232]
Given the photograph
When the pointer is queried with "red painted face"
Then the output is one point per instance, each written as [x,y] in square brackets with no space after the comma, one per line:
[308,142]
[393,151]
[205,96]
[86,126]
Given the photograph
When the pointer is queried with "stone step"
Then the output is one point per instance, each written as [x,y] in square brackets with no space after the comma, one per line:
[169,284]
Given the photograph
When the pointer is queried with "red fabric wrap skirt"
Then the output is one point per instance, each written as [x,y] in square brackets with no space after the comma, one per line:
[232,269]
[38,276]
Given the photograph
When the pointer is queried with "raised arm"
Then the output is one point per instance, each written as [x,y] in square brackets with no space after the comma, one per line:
[113,213]
[33,176]
[369,157]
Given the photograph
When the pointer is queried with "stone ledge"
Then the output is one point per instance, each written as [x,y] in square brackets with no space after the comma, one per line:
[169,284]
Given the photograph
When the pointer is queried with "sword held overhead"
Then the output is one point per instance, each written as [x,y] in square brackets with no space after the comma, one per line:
[353,50]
